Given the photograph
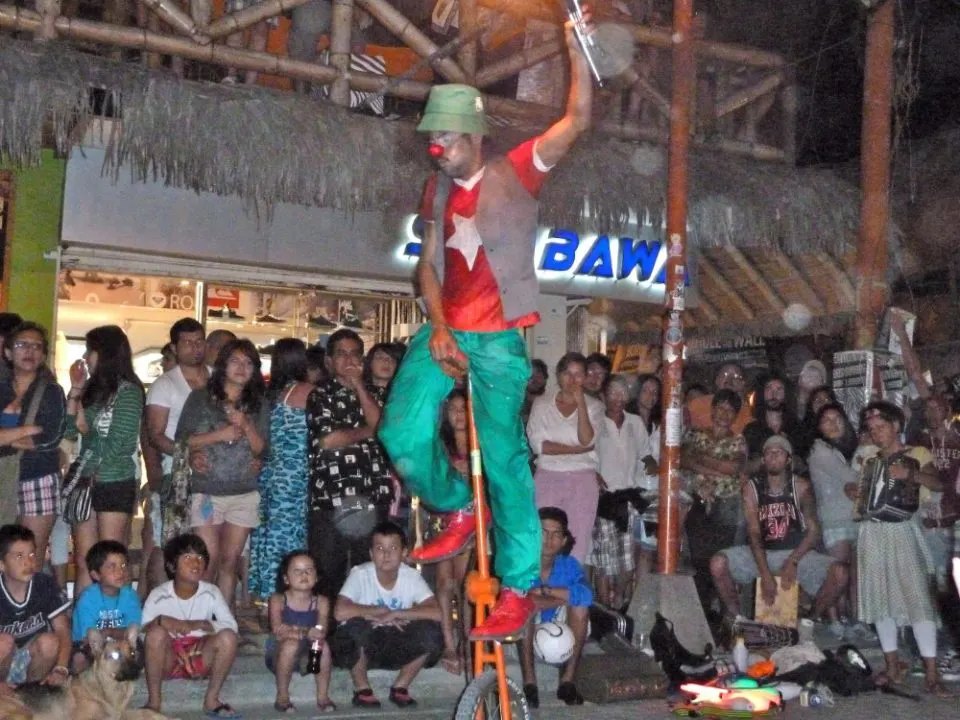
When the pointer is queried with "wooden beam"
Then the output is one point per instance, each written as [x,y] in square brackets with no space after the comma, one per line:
[468,53]
[747,95]
[502,69]
[631,130]
[817,306]
[176,18]
[634,79]
[341,28]
[411,36]
[242,19]
[746,265]
[707,267]
[706,307]
[835,268]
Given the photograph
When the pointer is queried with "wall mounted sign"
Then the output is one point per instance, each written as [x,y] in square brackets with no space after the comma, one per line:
[631,266]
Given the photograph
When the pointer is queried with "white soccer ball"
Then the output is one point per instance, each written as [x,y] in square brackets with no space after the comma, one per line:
[797,316]
[553,642]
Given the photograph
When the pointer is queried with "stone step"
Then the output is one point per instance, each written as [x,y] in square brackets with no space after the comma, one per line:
[251,685]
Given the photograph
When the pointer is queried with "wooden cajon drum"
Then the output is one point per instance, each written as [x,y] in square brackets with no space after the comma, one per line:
[783,612]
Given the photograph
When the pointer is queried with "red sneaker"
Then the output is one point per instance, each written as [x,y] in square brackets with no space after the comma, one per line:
[453,540]
[508,619]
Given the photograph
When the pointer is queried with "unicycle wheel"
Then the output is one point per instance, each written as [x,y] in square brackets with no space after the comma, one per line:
[481,700]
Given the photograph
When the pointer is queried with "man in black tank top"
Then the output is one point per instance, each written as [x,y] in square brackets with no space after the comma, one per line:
[781,515]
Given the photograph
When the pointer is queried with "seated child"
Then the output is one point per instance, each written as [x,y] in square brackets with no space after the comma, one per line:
[388,618]
[34,632]
[190,632]
[109,605]
[298,618]
[561,595]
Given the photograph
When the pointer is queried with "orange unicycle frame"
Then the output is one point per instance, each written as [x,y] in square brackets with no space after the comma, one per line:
[481,587]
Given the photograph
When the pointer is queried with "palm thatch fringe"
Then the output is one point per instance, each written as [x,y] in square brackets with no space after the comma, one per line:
[700,338]
[269,147]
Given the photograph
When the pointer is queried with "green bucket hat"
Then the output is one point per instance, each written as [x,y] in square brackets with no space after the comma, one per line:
[454,108]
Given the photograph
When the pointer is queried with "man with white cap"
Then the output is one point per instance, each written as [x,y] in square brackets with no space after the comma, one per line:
[781,515]
[480,288]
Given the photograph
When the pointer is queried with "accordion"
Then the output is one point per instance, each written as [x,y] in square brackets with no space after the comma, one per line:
[882,498]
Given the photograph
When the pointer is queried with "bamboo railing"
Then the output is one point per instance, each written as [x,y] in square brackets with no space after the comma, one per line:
[745,99]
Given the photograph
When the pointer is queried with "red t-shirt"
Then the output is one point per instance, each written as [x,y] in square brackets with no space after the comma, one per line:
[471,297]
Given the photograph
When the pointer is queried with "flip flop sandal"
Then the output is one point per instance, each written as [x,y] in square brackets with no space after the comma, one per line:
[287,707]
[223,711]
[401,697]
[327,706]
[365,699]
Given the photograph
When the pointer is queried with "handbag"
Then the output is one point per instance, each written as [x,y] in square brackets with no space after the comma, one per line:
[10,464]
[355,517]
[77,496]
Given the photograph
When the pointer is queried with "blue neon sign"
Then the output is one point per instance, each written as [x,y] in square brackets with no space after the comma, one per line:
[569,253]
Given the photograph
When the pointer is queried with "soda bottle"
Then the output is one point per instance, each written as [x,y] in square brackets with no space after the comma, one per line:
[313,661]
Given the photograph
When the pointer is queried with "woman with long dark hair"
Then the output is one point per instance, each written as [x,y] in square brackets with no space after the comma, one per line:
[33,483]
[105,408]
[227,428]
[829,464]
[283,482]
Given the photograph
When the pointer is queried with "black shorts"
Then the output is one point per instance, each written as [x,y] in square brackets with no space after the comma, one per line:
[115,497]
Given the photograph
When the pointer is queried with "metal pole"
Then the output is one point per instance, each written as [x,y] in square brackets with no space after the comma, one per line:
[684,76]
[872,251]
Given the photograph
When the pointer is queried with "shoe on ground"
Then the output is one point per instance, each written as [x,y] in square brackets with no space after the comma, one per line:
[456,537]
[949,668]
[508,619]
[860,633]
[568,692]
[532,694]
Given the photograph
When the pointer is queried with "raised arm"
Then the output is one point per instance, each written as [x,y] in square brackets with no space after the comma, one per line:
[560,136]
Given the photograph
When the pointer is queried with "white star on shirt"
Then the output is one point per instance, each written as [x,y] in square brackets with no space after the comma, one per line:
[465,238]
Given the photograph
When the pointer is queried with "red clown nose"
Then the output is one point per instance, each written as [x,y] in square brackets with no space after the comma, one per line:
[436,151]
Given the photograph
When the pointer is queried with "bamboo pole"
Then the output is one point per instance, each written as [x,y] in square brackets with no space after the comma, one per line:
[746,266]
[872,251]
[242,19]
[502,69]
[788,119]
[177,19]
[747,95]
[340,30]
[684,79]
[49,12]
[408,33]
[632,78]
[468,53]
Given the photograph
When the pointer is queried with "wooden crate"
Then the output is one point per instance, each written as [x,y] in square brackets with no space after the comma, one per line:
[607,678]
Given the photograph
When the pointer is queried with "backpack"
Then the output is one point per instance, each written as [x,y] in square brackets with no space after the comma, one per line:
[846,671]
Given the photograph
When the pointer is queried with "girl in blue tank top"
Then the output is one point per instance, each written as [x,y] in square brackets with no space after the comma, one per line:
[298,618]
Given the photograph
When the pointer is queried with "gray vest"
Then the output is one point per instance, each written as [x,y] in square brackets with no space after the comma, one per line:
[507,223]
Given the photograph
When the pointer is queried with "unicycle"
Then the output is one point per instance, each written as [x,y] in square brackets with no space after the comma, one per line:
[491,695]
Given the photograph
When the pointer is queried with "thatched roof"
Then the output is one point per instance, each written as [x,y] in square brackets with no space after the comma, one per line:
[271,147]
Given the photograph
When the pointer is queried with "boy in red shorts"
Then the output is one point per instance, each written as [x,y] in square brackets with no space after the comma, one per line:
[190,632]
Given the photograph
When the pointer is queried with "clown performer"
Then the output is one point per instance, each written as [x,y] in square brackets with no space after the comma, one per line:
[479,291]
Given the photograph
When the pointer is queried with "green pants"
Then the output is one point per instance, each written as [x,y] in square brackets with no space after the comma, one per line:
[409,430]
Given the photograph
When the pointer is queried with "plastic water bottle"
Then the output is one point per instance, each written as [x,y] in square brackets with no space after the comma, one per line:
[741,656]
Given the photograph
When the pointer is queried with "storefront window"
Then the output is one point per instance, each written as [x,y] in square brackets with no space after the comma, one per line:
[145,307]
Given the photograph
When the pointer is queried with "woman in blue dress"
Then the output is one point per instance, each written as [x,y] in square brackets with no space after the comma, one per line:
[283,482]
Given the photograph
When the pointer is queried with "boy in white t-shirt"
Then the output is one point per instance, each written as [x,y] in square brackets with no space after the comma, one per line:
[388,618]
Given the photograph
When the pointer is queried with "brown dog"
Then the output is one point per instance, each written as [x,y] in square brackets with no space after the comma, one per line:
[101,692]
